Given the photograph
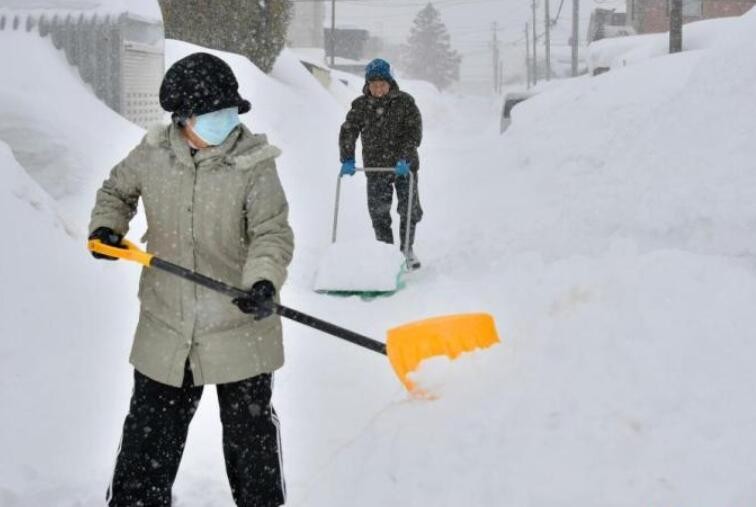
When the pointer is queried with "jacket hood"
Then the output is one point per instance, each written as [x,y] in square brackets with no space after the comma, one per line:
[242,148]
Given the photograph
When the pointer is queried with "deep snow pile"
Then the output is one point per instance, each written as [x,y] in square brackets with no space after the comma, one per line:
[622,51]
[662,149]
[55,126]
[607,230]
[59,314]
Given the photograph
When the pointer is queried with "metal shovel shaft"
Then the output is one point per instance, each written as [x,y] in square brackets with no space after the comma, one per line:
[332,329]
[283,311]
[409,203]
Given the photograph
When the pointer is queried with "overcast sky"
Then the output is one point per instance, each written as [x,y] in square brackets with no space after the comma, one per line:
[470,24]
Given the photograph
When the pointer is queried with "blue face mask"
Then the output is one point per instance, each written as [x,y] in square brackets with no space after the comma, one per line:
[214,128]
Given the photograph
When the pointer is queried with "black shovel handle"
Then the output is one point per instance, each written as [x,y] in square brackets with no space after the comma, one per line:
[283,311]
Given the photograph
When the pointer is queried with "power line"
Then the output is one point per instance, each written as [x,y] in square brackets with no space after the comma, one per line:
[554,21]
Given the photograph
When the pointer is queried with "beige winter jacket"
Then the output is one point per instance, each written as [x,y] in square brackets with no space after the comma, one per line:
[222,213]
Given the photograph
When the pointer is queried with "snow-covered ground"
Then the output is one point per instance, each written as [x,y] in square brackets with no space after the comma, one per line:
[609,231]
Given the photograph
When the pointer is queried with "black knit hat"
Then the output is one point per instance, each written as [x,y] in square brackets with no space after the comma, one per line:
[200,83]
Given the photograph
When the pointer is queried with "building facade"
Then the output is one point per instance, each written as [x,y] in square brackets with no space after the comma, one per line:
[652,16]
[605,23]
[306,26]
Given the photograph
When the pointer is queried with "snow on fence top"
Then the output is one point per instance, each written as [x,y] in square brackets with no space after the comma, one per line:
[147,10]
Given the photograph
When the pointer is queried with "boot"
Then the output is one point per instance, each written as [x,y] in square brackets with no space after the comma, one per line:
[412,261]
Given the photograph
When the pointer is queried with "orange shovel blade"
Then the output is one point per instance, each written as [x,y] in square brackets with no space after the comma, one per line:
[450,335]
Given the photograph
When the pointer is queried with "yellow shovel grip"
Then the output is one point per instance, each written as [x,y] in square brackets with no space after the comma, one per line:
[130,253]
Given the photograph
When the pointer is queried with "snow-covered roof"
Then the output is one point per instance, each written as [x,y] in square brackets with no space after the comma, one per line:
[317,56]
[520,95]
[148,10]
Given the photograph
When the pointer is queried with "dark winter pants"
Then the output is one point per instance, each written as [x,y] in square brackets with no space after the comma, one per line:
[380,191]
[155,432]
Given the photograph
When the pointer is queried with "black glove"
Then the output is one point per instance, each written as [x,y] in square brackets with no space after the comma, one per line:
[109,237]
[258,301]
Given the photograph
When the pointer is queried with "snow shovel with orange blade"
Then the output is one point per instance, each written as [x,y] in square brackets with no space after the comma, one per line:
[406,346]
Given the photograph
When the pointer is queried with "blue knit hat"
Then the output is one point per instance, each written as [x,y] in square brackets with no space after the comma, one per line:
[378,69]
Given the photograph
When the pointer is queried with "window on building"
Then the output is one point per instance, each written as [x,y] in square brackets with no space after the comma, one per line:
[691,8]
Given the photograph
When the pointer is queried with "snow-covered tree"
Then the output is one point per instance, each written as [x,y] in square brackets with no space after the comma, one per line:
[254,28]
[428,54]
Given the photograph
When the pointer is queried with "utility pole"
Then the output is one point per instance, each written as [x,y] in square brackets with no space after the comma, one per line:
[535,42]
[675,26]
[547,39]
[575,38]
[333,33]
[495,46]
[527,55]
[501,76]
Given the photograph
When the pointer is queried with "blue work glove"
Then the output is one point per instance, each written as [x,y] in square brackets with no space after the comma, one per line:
[347,168]
[402,168]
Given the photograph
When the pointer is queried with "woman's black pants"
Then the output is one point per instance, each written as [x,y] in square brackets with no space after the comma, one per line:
[155,431]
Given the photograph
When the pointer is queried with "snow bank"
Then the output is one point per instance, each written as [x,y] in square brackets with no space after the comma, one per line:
[58,130]
[61,406]
[615,381]
[654,151]
[623,51]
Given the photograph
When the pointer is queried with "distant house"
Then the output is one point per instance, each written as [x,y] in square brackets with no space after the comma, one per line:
[606,23]
[347,42]
[651,16]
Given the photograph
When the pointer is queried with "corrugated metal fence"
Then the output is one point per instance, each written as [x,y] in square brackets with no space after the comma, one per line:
[121,56]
